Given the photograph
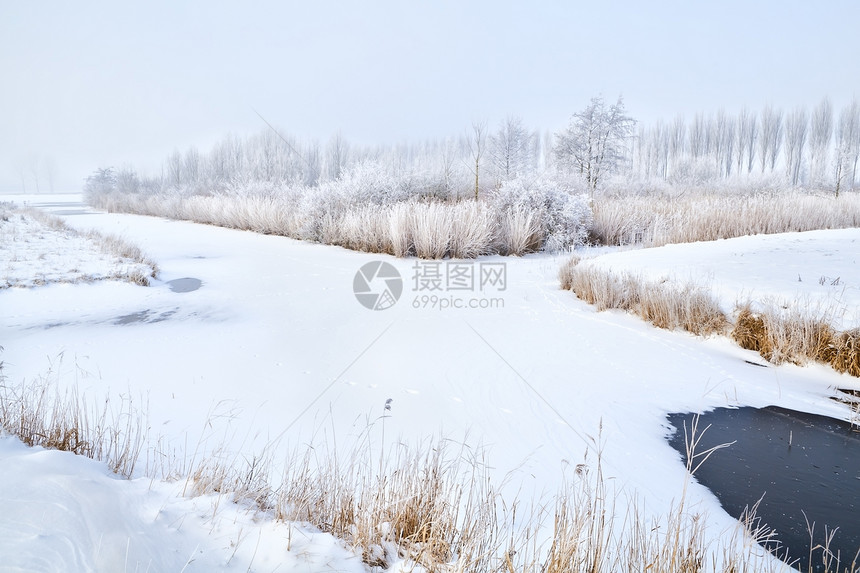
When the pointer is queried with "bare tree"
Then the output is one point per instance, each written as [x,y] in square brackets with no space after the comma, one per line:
[174,168]
[820,134]
[314,168]
[847,145]
[477,142]
[725,142]
[751,137]
[698,136]
[595,142]
[336,156]
[796,131]
[510,149]
[547,155]
[770,137]
[191,166]
[745,139]
[660,140]
[125,180]
[33,166]
[677,139]
[447,154]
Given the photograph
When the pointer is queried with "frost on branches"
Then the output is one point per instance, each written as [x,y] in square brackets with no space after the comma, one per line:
[562,216]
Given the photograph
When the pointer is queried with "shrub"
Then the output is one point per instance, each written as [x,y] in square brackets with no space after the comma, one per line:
[563,217]
[656,219]
[689,307]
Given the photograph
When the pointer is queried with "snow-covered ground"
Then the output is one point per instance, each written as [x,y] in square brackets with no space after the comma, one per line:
[274,347]
[817,270]
[62,512]
[32,253]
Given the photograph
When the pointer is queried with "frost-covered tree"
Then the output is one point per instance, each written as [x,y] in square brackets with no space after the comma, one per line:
[314,164]
[677,140]
[796,132]
[337,154]
[847,145]
[820,135]
[770,137]
[477,143]
[102,181]
[595,142]
[698,136]
[510,149]
[191,165]
[724,142]
[746,139]
[174,169]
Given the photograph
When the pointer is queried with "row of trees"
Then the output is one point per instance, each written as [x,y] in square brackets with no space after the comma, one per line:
[593,146]
[818,149]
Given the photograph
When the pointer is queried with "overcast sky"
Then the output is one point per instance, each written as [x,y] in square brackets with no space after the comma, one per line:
[90,84]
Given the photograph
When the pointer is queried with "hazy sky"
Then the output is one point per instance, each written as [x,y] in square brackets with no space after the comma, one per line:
[89,84]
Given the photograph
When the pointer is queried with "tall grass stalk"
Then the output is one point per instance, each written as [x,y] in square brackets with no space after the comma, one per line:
[656,219]
[687,307]
[797,333]
[435,505]
[415,227]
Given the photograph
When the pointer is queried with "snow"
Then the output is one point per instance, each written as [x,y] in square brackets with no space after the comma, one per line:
[816,269]
[62,512]
[274,348]
[32,253]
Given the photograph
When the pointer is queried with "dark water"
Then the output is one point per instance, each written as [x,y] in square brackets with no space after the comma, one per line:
[184,285]
[796,463]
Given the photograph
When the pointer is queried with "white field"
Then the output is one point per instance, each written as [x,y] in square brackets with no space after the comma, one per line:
[274,347]
[817,270]
[34,254]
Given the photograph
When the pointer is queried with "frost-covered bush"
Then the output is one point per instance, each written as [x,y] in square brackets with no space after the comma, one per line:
[101,182]
[562,217]
[694,172]
[371,207]
[369,182]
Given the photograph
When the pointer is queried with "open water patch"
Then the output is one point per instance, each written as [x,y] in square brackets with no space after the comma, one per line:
[804,468]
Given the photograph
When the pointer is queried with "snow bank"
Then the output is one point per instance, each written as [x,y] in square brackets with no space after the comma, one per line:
[813,269]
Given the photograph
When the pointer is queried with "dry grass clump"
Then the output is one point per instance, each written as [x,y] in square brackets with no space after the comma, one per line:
[847,355]
[750,333]
[656,219]
[39,413]
[414,503]
[112,245]
[604,289]
[121,248]
[246,479]
[45,219]
[780,334]
[520,232]
[789,335]
[434,505]
[689,307]
[436,229]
